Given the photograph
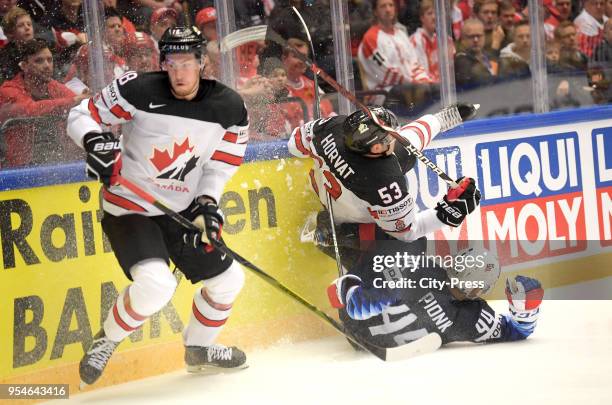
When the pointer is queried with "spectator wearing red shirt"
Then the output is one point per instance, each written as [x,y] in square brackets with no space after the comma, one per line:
[559,11]
[387,57]
[298,85]
[590,24]
[128,26]
[206,21]
[425,41]
[140,52]
[114,64]
[162,19]
[33,93]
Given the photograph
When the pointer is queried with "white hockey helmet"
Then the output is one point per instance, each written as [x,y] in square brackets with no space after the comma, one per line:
[475,272]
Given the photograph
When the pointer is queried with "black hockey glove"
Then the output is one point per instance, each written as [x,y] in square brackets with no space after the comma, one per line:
[103,156]
[208,218]
[458,202]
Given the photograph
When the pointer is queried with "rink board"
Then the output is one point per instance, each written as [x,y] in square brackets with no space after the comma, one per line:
[541,182]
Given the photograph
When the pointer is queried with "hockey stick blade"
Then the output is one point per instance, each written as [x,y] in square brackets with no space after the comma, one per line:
[385,354]
[243,36]
[427,344]
[276,37]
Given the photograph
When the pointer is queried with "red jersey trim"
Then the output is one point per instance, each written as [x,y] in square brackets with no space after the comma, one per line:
[227,158]
[119,112]
[230,137]
[121,202]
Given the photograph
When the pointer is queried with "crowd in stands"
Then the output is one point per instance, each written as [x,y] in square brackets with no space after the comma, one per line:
[45,57]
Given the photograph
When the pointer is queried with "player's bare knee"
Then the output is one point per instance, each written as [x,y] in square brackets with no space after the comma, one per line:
[225,287]
[153,287]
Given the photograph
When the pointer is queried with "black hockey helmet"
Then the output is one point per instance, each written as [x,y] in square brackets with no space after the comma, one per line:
[181,39]
[360,131]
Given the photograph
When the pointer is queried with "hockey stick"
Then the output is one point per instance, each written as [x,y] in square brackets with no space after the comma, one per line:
[316,115]
[423,345]
[243,36]
[276,37]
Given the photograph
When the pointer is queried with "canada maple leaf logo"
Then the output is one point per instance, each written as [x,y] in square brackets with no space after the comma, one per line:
[176,165]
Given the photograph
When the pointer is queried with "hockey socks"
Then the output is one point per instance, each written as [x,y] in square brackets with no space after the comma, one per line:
[151,290]
[212,305]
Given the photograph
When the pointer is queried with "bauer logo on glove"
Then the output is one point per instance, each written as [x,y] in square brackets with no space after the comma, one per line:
[458,203]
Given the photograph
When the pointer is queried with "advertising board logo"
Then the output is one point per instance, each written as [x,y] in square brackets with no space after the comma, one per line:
[425,185]
[532,196]
[602,162]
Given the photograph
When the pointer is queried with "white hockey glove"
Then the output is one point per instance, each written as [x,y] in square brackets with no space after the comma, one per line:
[455,115]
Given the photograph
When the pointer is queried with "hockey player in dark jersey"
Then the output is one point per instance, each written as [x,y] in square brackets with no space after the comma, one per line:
[182,139]
[401,304]
[363,171]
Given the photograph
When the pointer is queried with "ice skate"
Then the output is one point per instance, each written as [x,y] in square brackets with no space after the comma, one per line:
[94,361]
[200,359]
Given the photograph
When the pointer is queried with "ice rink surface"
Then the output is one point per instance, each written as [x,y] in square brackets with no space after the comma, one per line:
[568,360]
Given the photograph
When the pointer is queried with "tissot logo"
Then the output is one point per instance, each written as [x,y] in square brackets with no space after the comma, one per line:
[174,166]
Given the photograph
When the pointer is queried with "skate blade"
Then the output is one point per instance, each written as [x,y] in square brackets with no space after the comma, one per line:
[211,369]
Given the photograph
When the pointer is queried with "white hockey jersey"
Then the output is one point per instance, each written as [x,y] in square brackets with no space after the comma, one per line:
[366,190]
[174,149]
[426,49]
[389,59]
[590,32]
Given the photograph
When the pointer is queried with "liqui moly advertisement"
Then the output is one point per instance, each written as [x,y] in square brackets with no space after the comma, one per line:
[542,190]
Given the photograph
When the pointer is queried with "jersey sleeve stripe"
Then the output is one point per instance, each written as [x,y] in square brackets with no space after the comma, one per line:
[230,137]
[93,110]
[121,202]
[428,129]
[227,158]
[313,182]
[119,112]
[299,144]
[418,131]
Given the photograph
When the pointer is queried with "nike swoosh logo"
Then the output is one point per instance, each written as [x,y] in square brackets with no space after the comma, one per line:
[154,106]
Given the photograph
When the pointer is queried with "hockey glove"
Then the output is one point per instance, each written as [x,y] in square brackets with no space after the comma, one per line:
[458,202]
[208,218]
[360,304]
[103,156]
[455,115]
[524,297]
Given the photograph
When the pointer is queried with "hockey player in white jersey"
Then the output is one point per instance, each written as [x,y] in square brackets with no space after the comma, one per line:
[363,170]
[182,139]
